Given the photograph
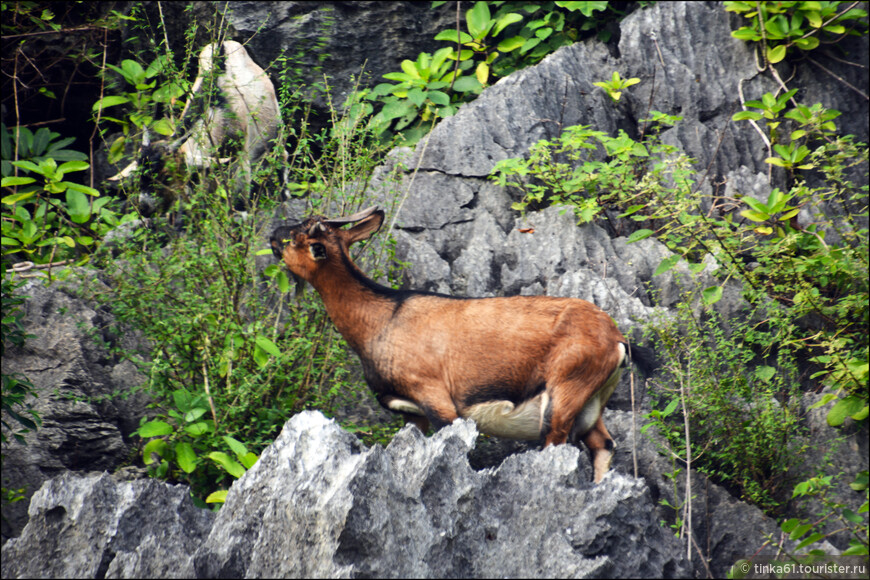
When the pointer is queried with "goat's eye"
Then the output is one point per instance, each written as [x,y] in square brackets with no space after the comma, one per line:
[318,251]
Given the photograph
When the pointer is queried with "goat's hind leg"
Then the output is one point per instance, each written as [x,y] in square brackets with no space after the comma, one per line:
[600,446]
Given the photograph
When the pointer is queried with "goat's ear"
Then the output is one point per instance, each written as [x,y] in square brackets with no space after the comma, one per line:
[365,228]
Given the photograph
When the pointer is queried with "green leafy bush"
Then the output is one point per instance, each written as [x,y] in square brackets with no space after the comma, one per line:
[490,47]
[782,26]
[46,216]
[806,286]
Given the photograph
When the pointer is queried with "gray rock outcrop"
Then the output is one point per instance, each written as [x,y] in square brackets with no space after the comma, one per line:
[96,526]
[317,504]
[87,393]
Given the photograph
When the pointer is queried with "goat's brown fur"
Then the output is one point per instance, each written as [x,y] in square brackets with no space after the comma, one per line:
[523,366]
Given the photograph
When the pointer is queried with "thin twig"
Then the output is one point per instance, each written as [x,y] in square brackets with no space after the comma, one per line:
[458,46]
[854,88]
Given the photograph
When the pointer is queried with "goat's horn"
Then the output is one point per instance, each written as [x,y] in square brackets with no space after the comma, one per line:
[352,218]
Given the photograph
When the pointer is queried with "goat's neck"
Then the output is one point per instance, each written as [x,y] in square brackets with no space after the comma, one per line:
[357,309]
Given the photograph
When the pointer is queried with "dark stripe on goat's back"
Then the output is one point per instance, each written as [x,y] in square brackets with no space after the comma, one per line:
[398,297]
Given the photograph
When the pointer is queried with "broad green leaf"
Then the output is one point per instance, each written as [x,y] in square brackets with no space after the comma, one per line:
[283,280]
[77,206]
[185,456]
[73,166]
[154,429]
[754,215]
[133,72]
[109,101]
[845,407]
[401,77]
[711,295]
[237,446]
[197,429]
[776,161]
[746,34]
[29,166]
[466,83]
[227,463]
[808,43]
[157,446]
[478,20]
[811,539]
[396,109]
[267,345]
[162,127]
[194,414]
[439,98]
[167,93]
[249,459]
[505,21]
[15,180]
[16,197]
[182,400]
[417,96]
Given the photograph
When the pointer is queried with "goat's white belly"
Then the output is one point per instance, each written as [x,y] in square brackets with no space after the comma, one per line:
[504,419]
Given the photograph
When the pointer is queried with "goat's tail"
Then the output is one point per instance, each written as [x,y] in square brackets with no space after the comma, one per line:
[644,358]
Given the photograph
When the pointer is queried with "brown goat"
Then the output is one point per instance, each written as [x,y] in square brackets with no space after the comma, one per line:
[523,367]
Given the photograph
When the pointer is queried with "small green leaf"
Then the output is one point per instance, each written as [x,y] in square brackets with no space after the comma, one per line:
[776,54]
[217,497]
[811,539]
[450,36]
[741,115]
[16,197]
[249,459]
[667,264]
[511,44]
[639,235]
[672,406]
[765,373]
